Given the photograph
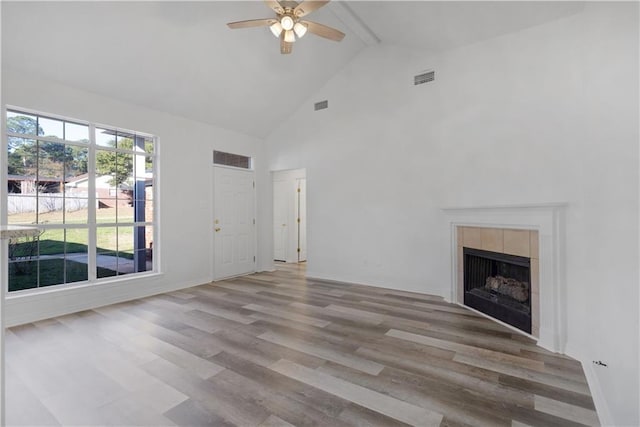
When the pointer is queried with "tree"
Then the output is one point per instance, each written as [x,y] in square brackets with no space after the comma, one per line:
[24,125]
[120,165]
[21,152]
[80,160]
[54,157]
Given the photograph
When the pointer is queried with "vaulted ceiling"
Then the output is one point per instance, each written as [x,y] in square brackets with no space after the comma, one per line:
[181,58]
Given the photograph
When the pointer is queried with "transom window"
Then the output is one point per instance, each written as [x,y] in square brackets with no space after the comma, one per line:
[89,189]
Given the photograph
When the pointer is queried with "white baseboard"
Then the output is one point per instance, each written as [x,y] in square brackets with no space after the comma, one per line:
[435,292]
[32,307]
[604,414]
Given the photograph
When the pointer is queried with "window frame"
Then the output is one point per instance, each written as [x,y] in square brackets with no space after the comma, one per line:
[92,225]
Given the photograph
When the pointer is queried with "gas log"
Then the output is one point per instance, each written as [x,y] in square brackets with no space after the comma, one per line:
[513,288]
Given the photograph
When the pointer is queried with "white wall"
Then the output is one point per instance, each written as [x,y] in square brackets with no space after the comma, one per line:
[548,114]
[185,159]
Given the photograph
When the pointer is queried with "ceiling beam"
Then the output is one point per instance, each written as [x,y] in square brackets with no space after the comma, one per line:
[353,22]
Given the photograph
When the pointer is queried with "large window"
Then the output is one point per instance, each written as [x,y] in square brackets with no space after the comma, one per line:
[89,189]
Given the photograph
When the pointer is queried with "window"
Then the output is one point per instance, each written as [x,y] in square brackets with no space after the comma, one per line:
[89,189]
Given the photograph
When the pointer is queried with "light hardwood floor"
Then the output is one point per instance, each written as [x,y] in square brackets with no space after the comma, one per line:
[276,349]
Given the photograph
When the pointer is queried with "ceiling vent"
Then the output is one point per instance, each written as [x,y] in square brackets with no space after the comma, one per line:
[426,77]
[321,105]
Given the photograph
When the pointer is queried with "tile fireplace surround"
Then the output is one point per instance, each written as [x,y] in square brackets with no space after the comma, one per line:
[508,241]
[533,231]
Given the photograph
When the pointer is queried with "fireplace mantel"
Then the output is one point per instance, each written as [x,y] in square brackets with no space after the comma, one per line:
[548,220]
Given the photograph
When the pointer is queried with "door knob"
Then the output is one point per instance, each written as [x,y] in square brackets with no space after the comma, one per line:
[217,229]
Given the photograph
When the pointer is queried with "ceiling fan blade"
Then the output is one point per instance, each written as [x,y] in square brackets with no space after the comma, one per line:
[306,7]
[324,31]
[251,23]
[275,5]
[285,47]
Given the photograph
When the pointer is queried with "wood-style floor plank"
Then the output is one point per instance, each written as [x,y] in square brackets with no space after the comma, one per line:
[278,349]
[382,403]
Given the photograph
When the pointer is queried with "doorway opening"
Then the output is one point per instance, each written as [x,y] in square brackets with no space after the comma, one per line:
[290,215]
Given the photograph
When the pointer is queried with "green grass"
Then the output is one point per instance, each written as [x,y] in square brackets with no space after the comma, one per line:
[55,247]
[52,247]
[111,240]
[24,274]
[52,242]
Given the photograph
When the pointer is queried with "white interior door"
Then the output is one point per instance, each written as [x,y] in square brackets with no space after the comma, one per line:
[289,206]
[280,219]
[302,219]
[234,224]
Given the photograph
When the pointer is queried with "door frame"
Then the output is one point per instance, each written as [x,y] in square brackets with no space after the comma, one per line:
[301,226]
[280,234]
[211,224]
[291,176]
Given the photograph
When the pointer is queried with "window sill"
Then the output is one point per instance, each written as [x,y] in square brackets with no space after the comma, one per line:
[66,288]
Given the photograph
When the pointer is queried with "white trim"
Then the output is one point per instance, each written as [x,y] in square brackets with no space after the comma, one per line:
[31,111]
[212,239]
[156,252]
[91,225]
[47,139]
[217,165]
[599,400]
[92,239]
[318,277]
[548,219]
[233,276]
[292,178]
[45,306]
[68,287]
[349,18]
[4,248]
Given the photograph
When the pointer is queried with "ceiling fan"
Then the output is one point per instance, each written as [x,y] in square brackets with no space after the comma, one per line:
[288,24]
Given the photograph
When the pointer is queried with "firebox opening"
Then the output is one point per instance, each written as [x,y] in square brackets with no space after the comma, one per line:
[498,285]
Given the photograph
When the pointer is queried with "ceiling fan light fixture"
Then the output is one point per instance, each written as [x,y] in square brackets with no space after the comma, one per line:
[289,36]
[300,29]
[276,29]
[287,22]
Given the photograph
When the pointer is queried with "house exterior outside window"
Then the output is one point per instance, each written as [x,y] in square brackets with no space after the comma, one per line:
[89,189]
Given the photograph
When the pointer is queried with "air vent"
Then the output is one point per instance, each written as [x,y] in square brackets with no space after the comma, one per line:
[425,77]
[229,159]
[321,105]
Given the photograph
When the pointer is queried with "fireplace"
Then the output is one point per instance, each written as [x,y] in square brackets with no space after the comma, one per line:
[498,285]
[531,231]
